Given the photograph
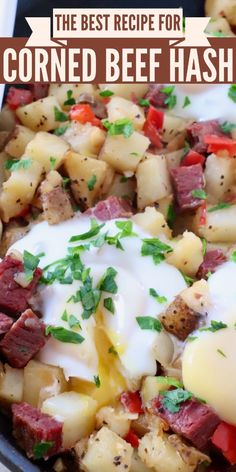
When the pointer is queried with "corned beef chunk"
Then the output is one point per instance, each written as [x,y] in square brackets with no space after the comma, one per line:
[155,96]
[195,421]
[38,434]
[211,261]
[186,180]
[197,132]
[111,208]
[5,323]
[13,297]
[24,339]
[39,90]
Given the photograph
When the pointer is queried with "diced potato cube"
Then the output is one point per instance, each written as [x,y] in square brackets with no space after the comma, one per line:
[39,115]
[107,452]
[19,189]
[153,181]
[164,205]
[220,225]
[85,139]
[116,419]
[119,108]
[77,412]
[123,187]
[81,170]
[59,91]
[172,126]
[219,175]
[174,158]
[42,381]
[126,90]
[187,254]
[153,222]
[197,297]
[137,465]
[45,146]
[17,144]
[124,154]
[11,385]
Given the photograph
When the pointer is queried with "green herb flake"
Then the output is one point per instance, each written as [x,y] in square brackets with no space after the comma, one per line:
[73,322]
[171,99]
[171,215]
[16,164]
[94,230]
[219,206]
[191,338]
[64,335]
[64,316]
[172,399]
[227,127]
[221,352]
[215,326]
[124,179]
[158,298]
[187,102]
[30,264]
[109,305]
[53,162]
[233,256]
[70,99]
[143,102]
[155,248]
[59,115]
[107,283]
[150,323]
[61,130]
[41,449]
[112,350]
[136,154]
[91,182]
[189,280]
[171,381]
[232,92]
[66,182]
[123,126]
[204,246]
[126,228]
[208,274]
[106,93]
[97,381]
[199,193]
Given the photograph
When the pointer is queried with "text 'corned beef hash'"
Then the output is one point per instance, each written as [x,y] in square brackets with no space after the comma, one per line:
[117,277]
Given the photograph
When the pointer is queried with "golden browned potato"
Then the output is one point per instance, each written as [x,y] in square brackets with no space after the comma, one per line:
[179,319]
[189,454]
[55,200]
[12,233]
[20,137]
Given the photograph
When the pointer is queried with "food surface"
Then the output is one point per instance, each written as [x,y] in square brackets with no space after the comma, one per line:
[117,292]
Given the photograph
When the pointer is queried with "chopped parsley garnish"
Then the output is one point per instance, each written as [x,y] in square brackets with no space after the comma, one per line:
[73,322]
[191,338]
[89,298]
[109,304]
[171,381]
[108,283]
[94,230]
[189,280]
[219,206]
[148,322]
[70,99]
[97,381]
[171,99]
[171,215]
[66,182]
[232,92]
[209,273]
[126,228]
[91,182]
[227,127]
[60,115]
[221,352]
[30,264]
[61,130]
[114,241]
[215,326]
[187,102]
[158,298]
[64,316]
[53,162]
[199,193]
[172,399]
[233,256]
[155,248]
[124,179]
[123,126]
[64,335]
[40,449]
[112,350]
[106,93]
[204,246]
[136,154]
[16,164]
[143,102]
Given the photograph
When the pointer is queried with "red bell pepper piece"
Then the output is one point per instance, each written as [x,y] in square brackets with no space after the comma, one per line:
[224,438]
[192,158]
[220,143]
[132,439]
[83,113]
[132,402]
[17,97]
[152,126]
[156,117]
